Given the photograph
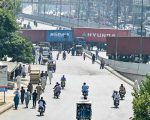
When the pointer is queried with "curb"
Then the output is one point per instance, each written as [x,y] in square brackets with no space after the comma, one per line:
[6,107]
[128,81]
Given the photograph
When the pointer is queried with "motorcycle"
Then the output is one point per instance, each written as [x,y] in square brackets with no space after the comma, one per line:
[62,84]
[116,103]
[122,94]
[41,110]
[85,94]
[56,95]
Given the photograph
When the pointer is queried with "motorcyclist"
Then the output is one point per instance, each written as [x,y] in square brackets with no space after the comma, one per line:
[115,96]
[42,103]
[57,89]
[85,88]
[122,89]
[63,80]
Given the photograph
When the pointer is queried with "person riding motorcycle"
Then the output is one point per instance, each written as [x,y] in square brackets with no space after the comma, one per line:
[115,96]
[63,80]
[85,89]
[42,104]
[64,55]
[122,90]
[57,90]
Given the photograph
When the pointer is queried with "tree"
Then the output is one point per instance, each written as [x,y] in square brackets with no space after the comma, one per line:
[12,44]
[141,101]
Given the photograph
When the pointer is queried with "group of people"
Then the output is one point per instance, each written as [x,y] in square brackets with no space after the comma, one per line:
[94,57]
[117,94]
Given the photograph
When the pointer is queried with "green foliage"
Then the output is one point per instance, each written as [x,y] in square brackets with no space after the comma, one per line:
[141,101]
[7,24]
[19,49]
[12,44]
[13,6]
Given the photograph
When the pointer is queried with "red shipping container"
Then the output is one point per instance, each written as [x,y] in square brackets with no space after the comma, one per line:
[35,36]
[128,45]
[98,35]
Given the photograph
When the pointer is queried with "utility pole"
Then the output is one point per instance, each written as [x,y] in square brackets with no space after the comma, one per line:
[141,40]
[78,12]
[117,31]
[60,10]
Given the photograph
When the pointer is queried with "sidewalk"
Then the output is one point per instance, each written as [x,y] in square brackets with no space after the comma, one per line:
[9,97]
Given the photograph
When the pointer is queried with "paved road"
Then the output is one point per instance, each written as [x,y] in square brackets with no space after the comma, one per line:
[77,71]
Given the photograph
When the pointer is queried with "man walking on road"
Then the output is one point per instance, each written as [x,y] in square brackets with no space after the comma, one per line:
[30,88]
[102,64]
[39,91]
[50,75]
[27,98]
[18,81]
[84,56]
[22,95]
[34,98]
[16,101]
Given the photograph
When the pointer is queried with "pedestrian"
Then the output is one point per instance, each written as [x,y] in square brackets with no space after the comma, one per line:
[43,82]
[23,72]
[18,81]
[29,69]
[34,98]
[57,56]
[42,74]
[30,88]
[27,98]
[84,56]
[17,72]
[16,101]
[50,75]
[93,59]
[20,69]
[96,54]
[39,59]
[39,91]
[17,92]
[22,91]
[46,74]
[102,64]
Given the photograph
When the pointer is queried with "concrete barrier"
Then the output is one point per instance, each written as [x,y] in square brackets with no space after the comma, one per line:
[5,107]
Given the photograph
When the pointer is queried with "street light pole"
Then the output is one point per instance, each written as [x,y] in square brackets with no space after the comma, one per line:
[78,12]
[117,33]
[60,12]
[141,40]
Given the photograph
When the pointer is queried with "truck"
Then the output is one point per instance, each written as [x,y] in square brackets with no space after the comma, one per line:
[129,49]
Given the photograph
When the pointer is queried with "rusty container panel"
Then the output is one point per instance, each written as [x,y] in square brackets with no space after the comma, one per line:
[35,36]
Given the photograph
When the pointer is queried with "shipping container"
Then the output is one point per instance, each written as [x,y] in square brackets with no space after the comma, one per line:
[35,36]
[98,35]
[59,36]
[128,46]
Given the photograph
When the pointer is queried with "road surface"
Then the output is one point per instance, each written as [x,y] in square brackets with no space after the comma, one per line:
[101,83]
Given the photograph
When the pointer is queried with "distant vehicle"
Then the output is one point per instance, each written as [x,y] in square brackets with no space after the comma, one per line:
[44,44]
[79,49]
[46,51]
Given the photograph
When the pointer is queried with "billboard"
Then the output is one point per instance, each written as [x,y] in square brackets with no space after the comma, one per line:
[98,35]
[59,35]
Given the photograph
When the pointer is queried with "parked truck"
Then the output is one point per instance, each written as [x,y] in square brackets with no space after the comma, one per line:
[129,49]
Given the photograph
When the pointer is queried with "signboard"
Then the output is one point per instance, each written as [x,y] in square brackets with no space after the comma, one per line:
[3,89]
[98,35]
[59,36]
